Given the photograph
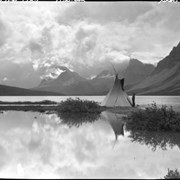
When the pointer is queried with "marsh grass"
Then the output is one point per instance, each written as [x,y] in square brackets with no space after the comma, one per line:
[154,118]
[77,119]
[172,174]
[75,112]
[79,106]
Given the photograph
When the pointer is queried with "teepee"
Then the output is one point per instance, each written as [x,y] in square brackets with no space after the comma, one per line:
[117,95]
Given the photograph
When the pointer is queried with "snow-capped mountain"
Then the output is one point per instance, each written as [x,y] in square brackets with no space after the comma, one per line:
[71,83]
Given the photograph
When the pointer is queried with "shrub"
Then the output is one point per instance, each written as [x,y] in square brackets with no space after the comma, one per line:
[172,174]
[77,119]
[155,140]
[153,118]
[79,106]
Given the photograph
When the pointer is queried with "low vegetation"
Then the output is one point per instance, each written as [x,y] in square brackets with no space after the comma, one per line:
[154,118]
[79,106]
[29,102]
[172,174]
[68,106]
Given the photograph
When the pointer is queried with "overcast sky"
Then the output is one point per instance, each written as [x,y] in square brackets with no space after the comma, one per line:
[85,36]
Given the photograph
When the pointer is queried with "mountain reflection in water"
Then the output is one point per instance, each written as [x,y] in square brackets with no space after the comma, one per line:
[153,140]
[37,145]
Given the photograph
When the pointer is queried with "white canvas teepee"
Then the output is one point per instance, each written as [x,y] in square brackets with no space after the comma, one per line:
[117,96]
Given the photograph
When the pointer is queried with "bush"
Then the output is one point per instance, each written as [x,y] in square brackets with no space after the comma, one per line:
[153,118]
[79,106]
[172,174]
[155,140]
[77,119]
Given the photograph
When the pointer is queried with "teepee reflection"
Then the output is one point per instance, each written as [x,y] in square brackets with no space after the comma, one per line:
[116,122]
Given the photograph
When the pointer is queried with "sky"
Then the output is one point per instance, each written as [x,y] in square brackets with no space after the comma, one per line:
[85,37]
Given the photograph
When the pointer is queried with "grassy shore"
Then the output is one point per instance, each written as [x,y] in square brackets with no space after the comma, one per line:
[68,106]
[154,118]
[41,108]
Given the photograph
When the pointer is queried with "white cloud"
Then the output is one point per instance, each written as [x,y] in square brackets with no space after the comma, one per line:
[87,36]
[5,79]
[52,73]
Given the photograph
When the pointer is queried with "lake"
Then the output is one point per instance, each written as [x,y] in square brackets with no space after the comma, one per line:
[140,100]
[39,145]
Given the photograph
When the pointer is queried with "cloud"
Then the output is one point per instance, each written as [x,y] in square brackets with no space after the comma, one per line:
[4,31]
[35,48]
[156,32]
[51,73]
[86,37]
[80,47]
[5,79]
[20,75]
[103,12]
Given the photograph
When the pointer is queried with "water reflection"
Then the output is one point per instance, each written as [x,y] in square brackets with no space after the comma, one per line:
[34,145]
[116,122]
[77,119]
[156,140]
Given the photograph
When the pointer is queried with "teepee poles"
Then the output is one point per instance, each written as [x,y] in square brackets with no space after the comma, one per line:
[114,69]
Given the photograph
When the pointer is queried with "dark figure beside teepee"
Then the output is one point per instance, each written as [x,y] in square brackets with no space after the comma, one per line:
[133,100]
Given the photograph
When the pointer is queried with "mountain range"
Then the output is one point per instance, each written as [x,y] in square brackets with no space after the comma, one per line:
[71,83]
[140,78]
[15,91]
[165,78]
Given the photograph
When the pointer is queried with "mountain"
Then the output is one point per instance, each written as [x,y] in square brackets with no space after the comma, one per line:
[165,79]
[15,91]
[135,73]
[68,82]
[71,83]
[66,78]
[169,61]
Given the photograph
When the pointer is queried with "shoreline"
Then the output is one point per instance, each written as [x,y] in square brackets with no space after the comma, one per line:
[53,108]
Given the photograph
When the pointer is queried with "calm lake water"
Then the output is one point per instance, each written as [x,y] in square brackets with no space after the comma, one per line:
[140,100]
[37,145]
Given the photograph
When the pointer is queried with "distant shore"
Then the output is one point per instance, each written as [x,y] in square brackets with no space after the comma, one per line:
[44,102]
[52,107]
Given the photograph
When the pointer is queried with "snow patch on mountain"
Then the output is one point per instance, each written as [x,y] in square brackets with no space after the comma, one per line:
[52,73]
